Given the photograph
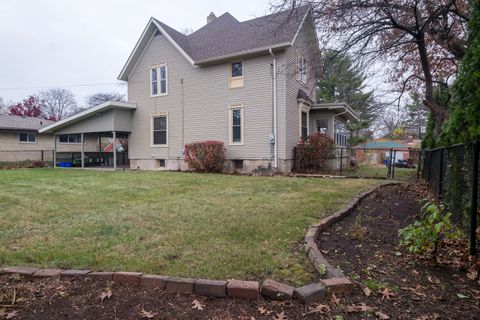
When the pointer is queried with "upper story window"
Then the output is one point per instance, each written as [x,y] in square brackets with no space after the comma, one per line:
[27,137]
[301,68]
[236,125]
[158,80]
[70,138]
[159,130]
[235,75]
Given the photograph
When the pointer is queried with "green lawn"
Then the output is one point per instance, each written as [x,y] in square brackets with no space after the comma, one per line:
[380,172]
[182,224]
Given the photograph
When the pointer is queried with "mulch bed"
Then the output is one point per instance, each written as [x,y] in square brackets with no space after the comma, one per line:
[390,281]
[364,245]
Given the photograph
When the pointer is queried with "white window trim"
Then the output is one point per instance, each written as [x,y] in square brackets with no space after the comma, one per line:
[230,125]
[28,142]
[157,66]
[84,140]
[300,55]
[230,78]
[303,108]
[156,115]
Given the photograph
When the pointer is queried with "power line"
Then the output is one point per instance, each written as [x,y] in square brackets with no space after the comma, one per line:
[66,86]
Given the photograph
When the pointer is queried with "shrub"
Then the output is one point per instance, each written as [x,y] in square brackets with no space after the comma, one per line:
[424,235]
[205,156]
[314,152]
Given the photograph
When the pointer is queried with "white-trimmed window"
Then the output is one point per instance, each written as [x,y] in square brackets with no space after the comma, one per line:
[322,126]
[70,138]
[236,125]
[340,134]
[301,68]
[27,137]
[160,129]
[303,121]
[158,80]
[235,74]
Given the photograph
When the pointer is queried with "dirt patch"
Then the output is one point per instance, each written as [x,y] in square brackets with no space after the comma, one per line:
[388,279]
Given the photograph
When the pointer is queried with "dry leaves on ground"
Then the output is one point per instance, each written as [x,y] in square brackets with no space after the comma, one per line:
[106,294]
[280,316]
[263,311]
[197,305]
[147,314]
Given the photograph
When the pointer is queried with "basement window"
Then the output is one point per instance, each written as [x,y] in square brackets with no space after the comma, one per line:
[238,164]
[160,163]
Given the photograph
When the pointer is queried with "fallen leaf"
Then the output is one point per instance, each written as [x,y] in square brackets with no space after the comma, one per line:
[382,316]
[280,316]
[147,314]
[11,314]
[386,294]
[263,311]
[472,275]
[106,294]
[320,308]
[363,307]
[433,280]
[351,308]
[462,296]
[367,291]
[197,305]
[335,300]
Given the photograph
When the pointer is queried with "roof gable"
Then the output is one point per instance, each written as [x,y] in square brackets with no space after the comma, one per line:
[224,37]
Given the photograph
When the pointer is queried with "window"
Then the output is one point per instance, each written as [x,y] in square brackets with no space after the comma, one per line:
[301,68]
[158,80]
[70,138]
[235,75]
[322,126]
[27,137]
[304,133]
[238,164]
[159,130]
[236,125]
[340,134]
[160,163]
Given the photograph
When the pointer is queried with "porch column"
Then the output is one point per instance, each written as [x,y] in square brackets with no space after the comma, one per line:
[114,150]
[82,142]
[54,150]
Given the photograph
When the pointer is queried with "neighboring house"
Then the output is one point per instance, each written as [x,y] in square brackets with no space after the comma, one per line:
[250,84]
[20,140]
[379,150]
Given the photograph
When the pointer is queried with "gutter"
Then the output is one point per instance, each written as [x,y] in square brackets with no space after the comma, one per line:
[274,103]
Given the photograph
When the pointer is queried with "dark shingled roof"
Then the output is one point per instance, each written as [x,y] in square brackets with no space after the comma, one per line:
[226,35]
[302,95]
[8,122]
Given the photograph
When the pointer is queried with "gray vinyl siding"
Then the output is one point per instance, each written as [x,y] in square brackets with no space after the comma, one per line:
[304,44]
[198,101]
[118,120]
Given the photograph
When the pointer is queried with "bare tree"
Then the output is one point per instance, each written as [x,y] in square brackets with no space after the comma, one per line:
[57,103]
[101,97]
[3,106]
[422,40]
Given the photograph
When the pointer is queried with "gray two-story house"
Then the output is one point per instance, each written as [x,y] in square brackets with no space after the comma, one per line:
[250,84]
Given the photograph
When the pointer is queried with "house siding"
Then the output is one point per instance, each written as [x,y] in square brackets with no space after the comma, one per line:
[304,44]
[198,103]
[13,150]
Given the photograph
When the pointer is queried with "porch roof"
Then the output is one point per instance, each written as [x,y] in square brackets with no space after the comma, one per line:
[106,117]
[339,107]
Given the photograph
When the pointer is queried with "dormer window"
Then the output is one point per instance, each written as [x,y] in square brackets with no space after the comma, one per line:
[158,80]
[235,75]
[301,68]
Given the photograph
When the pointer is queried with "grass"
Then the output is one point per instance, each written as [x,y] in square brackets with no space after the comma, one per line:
[381,172]
[181,224]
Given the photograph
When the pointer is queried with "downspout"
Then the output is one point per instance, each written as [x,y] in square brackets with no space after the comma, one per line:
[274,102]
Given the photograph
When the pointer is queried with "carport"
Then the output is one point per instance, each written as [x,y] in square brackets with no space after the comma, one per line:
[112,119]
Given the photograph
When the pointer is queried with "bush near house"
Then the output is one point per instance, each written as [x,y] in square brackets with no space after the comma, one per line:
[205,156]
[315,151]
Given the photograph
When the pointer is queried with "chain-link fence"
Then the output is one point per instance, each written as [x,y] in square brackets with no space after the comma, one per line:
[452,175]
[400,164]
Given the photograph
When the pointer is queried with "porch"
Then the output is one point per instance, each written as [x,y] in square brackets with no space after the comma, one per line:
[94,138]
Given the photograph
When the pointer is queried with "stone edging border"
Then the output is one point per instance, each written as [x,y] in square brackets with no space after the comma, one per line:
[335,279]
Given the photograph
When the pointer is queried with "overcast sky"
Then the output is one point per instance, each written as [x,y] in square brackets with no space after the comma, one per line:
[82,45]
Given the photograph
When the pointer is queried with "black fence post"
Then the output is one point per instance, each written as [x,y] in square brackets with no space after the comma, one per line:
[41,156]
[474,202]
[440,176]
[341,160]
[389,171]
[393,164]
